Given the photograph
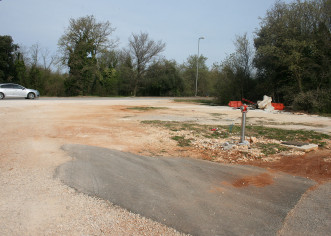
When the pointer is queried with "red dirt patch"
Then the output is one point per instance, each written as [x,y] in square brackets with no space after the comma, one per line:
[260,181]
[311,165]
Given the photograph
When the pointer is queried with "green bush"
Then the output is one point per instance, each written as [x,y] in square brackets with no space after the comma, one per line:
[314,101]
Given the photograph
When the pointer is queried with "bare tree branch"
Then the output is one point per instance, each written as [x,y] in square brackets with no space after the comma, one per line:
[34,52]
[48,60]
[142,50]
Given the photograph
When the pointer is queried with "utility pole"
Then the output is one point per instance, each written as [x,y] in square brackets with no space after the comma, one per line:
[196,80]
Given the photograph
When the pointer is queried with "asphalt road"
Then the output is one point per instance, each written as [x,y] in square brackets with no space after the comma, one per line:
[193,196]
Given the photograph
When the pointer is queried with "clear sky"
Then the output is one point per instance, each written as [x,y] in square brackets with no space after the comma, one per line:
[178,23]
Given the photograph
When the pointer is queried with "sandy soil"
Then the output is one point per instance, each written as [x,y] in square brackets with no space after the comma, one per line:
[32,202]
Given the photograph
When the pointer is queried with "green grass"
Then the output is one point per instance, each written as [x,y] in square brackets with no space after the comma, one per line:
[271,148]
[251,130]
[182,141]
[195,129]
[217,115]
[263,122]
[286,135]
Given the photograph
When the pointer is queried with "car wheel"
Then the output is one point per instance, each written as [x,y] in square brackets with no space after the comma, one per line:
[31,96]
[2,96]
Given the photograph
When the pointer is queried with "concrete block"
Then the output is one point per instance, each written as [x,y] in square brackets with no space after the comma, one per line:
[305,147]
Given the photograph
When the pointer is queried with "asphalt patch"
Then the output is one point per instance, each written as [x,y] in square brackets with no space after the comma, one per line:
[193,196]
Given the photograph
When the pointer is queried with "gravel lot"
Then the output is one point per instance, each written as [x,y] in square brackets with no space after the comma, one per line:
[32,202]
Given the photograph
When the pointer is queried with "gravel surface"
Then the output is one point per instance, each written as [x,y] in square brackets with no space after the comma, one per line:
[32,202]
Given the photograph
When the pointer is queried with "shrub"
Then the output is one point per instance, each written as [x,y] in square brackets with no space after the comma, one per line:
[314,101]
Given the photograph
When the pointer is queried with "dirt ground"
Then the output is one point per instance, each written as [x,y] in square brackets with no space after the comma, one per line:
[32,202]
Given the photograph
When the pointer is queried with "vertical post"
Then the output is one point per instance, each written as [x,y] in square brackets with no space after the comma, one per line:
[243,125]
[243,109]
[196,79]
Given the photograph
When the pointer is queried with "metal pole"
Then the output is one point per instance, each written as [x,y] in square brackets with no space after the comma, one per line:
[243,124]
[196,79]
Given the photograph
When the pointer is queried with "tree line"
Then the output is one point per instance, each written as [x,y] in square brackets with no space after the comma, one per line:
[289,60]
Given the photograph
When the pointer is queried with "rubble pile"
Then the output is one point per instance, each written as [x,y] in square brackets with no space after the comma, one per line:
[228,150]
[265,104]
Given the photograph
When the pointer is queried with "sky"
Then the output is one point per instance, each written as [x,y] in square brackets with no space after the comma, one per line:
[178,23]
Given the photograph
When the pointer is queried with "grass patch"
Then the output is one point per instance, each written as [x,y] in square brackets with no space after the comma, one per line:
[182,141]
[217,115]
[251,130]
[287,123]
[146,108]
[193,128]
[271,148]
[286,135]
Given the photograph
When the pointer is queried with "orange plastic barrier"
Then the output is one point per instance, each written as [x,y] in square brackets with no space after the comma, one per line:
[278,106]
[235,104]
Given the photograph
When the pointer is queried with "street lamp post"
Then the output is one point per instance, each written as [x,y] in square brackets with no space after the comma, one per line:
[196,80]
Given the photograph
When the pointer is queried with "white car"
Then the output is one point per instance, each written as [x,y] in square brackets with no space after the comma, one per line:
[10,90]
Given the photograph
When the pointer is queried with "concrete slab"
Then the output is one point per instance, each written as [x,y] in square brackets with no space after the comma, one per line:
[193,196]
[305,147]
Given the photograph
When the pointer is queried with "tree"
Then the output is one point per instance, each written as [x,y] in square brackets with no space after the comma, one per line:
[126,74]
[227,81]
[34,52]
[162,79]
[108,83]
[189,72]
[293,49]
[48,60]
[22,66]
[235,74]
[8,52]
[83,41]
[243,64]
[36,80]
[20,69]
[142,51]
